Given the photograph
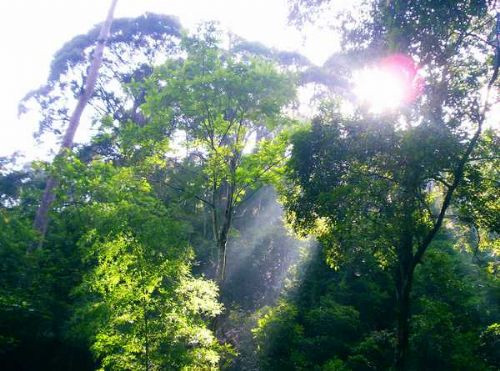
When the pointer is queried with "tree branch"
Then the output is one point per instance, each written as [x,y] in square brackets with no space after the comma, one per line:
[459,171]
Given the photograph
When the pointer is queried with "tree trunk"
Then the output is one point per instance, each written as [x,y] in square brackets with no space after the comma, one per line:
[42,216]
[146,337]
[222,240]
[404,286]
[404,280]
[221,261]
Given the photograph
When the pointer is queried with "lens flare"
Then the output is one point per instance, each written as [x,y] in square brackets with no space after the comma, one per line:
[390,83]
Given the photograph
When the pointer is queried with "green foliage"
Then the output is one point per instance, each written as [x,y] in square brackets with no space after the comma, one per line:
[330,327]
[138,305]
[489,344]
[330,309]
[34,291]
[347,182]
[334,365]
[374,352]
[126,293]
[121,276]
[278,337]
[220,102]
[477,199]
[383,184]
[331,322]
[145,310]
[229,110]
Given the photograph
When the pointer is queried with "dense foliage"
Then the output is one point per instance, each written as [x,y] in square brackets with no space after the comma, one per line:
[204,226]
[344,319]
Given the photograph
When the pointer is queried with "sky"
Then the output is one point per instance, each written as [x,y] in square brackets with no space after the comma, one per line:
[31,32]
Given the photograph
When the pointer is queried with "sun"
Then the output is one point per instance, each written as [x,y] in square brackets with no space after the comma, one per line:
[387,85]
[380,90]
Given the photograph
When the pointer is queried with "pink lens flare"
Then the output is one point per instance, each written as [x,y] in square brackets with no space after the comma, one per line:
[406,70]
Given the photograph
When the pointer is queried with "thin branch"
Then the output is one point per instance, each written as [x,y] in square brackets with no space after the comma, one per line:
[484,158]
[442,181]
[258,177]
[180,189]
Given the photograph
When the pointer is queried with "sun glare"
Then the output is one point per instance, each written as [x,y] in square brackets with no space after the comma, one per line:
[387,85]
[380,90]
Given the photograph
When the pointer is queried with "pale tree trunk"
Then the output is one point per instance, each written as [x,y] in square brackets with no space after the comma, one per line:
[221,236]
[222,232]
[42,216]
[222,245]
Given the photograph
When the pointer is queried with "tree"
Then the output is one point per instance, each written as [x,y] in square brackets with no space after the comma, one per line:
[386,183]
[138,306]
[133,45]
[41,219]
[222,103]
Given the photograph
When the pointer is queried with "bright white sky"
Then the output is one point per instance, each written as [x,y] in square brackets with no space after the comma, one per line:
[31,31]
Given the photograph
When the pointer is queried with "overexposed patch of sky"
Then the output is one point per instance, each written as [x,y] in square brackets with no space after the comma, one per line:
[31,32]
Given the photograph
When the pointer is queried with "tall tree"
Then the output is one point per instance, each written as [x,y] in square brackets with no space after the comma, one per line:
[133,47]
[386,183]
[42,218]
[222,104]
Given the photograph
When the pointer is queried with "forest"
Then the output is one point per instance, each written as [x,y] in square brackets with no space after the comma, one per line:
[238,207]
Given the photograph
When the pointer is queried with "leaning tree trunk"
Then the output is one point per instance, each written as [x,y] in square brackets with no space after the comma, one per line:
[42,216]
